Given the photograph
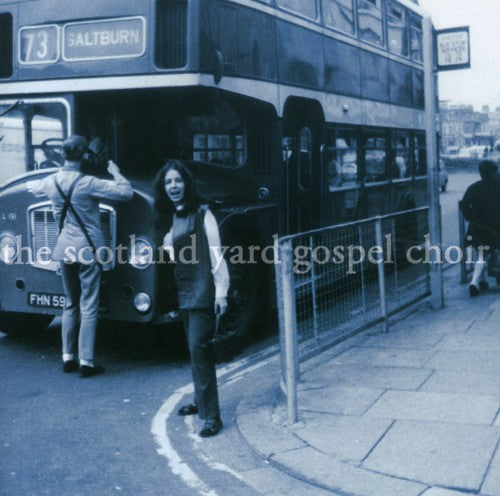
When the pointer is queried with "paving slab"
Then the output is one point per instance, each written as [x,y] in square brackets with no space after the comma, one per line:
[431,322]
[263,436]
[314,466]
[366,376]
[439,491]
[437,454]
[271,482]
[491,486]
[471,342]
[385,357]
[344,437]
[403,340]
[459,381]
[486,362]
[343,400]
[436,407]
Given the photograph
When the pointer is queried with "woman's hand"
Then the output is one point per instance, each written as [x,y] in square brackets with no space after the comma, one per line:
[220,305]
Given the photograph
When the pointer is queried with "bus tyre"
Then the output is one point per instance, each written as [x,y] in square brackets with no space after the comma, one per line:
[245,303]
[23,323]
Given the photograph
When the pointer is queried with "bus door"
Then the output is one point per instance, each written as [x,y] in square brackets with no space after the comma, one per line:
[303,182]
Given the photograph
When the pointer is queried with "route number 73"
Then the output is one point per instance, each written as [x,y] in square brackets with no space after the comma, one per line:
[39,44]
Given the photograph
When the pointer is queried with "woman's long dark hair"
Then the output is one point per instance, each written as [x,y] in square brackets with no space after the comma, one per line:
[163,207]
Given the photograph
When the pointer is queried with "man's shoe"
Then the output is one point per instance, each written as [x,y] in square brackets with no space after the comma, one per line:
[70,366]
[87,371]
[473,291]
[190,409]
[211,427]
[484,286]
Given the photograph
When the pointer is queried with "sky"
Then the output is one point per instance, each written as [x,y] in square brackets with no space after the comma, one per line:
[479,85]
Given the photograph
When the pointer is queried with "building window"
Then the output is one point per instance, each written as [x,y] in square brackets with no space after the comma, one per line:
[397,32]
[370,21]
[339,14]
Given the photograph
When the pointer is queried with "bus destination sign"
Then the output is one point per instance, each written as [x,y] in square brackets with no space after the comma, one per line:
[39,44]
[106,39]
[453,48]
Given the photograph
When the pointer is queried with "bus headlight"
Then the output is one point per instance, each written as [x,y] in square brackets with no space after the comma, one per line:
[8,248]
[140,254]
[142,302]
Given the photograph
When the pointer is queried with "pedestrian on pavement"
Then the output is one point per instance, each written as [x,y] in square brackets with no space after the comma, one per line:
[481,208]
[75,200]
[202,281]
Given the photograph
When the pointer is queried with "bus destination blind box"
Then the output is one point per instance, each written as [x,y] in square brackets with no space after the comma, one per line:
[453,48]
[81,41]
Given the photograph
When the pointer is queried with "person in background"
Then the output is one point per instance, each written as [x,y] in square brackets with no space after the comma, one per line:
[481,208]
[202,283]
[52,158]
[75,200]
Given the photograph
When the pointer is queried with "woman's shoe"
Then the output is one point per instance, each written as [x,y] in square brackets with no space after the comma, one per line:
[473,291]
[211,427]
[190,409]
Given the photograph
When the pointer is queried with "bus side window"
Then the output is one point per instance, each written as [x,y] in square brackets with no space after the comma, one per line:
[375,158]
[419,155]
[305,159]
[400,155]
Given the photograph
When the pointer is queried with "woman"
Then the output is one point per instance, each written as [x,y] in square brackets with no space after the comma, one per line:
[192,241]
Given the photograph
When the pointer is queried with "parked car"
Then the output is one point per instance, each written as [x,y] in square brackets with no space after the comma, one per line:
[443,175]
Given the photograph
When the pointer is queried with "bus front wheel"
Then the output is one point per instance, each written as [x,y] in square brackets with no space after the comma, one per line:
[20,323]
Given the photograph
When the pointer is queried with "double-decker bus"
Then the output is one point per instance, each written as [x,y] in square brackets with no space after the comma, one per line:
[292,114]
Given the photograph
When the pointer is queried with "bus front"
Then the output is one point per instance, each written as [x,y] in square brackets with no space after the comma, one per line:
[135,75]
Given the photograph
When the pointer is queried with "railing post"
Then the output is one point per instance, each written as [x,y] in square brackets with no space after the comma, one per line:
[381,274]
[290,329]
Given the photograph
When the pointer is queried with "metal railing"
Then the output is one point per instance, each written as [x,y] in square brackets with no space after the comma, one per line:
[335,282]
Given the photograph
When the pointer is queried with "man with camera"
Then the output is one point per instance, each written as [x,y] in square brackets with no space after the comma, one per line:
[75,197]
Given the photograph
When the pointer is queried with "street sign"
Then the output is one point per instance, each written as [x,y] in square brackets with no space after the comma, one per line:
[453,48]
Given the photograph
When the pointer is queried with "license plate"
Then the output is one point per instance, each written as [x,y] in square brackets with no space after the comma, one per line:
[46,300]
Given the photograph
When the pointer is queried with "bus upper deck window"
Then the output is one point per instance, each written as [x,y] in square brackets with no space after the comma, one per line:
[339,14]
[370,21]
[416,38]
[396,29]
[306,8]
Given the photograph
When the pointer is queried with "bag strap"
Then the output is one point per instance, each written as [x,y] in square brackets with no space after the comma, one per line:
[69,206]
[66,198]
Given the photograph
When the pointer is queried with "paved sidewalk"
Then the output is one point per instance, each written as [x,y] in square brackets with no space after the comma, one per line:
[414,412]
